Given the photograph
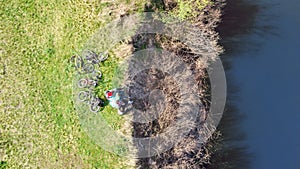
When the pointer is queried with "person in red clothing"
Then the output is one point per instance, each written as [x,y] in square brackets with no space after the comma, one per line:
[117,99]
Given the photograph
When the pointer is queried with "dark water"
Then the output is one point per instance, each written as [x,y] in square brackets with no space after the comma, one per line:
[262,118]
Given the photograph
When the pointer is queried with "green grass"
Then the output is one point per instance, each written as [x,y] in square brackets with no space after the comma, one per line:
[186,9]
[38,124]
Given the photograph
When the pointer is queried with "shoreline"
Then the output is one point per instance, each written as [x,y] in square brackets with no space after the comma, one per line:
[230,19]
[188,153]
[238,19]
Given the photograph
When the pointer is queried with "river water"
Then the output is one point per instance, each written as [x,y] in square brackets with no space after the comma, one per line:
[262,62]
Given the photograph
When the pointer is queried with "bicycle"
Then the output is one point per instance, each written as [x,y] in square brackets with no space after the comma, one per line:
[90,82]
[96,105]
[86,83]
[85,96]
[93,58]
[80,66]
[95,102]
[96,74]
[85,64]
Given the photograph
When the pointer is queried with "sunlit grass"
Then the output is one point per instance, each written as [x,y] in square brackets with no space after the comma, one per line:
[186,9]
[38,124]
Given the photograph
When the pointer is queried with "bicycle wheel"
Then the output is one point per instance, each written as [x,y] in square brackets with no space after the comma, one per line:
[72,59]
[94,108]
[93,83]
[82,83]
[97,74]
[103,56]
[91,56]
[78,62]
[88,68]
[94,100]
[83,96]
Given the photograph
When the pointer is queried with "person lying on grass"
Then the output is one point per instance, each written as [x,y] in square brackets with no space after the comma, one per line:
[117,99]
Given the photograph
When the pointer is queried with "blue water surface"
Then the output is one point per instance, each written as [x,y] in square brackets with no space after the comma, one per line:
[268,77]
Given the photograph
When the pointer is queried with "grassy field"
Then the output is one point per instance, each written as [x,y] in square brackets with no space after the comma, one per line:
[39,127]
[38,124]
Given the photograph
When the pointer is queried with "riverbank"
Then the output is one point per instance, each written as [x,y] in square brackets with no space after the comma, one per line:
[189,152]
[39,126]
[238,20]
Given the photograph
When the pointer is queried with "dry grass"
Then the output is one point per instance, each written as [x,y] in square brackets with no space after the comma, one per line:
[188,153]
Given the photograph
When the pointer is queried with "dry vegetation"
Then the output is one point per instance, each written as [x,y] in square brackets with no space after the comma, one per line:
[188,153]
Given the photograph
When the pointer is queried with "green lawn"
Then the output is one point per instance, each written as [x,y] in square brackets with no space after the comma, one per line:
[38,124]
